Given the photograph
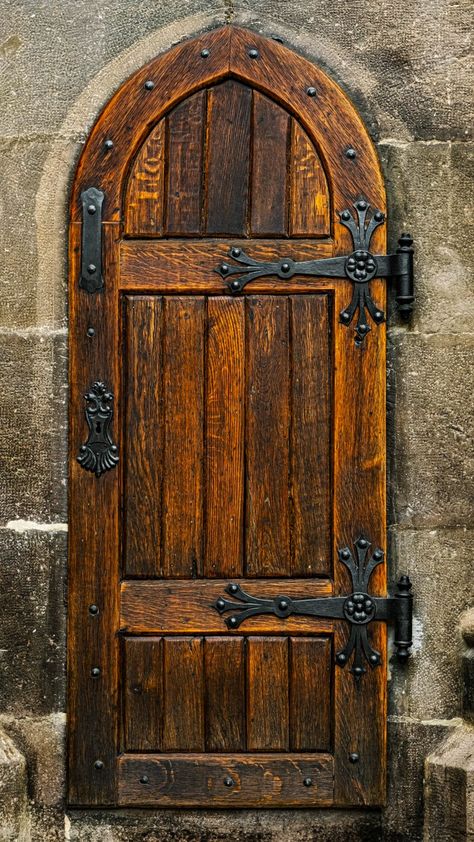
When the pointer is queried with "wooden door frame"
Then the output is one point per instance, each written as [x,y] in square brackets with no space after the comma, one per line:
[359,504]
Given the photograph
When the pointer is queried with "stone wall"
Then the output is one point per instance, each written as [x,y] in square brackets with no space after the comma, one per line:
[406,66]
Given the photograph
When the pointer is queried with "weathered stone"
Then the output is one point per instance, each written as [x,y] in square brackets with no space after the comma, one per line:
[466,625]
[430,431]
[429,193]
[32,633]
[449,789]
[33,443]
[42,741]
[13,792]
[411,61]
[439,564]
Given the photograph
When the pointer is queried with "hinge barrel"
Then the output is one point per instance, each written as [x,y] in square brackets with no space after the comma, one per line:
[405,279]
[403,601]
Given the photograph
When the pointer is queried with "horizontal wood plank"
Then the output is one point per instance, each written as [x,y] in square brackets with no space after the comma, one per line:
[262,780]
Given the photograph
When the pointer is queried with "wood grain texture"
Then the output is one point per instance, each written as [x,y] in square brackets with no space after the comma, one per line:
[225,438]
[224,660]
[144,201]
[310,694]
[183,703]
[268,196]
[228,163]
[309,202]
[186,126]
[263,780]
[267,694]
[143,436]
[143,694]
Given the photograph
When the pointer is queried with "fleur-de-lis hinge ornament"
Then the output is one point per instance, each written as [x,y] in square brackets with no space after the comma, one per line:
[99,453]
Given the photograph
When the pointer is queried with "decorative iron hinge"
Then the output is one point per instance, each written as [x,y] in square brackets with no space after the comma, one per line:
[360,267]
[358,608]
[99,453]
[91,260]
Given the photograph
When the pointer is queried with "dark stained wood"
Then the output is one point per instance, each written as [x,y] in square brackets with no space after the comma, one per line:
[186,126]
[183,386]
[143,436]
[171,607]
[225,437]
[309,205]
[183,703]
[262,780]
[225,693]
[268,197]
[229,112]
[267,694]
[310,694]
[143,694]
[310,436]
[143,209]
[267,437]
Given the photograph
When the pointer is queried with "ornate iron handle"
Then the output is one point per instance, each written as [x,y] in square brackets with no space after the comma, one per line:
[358,608]
[360,267]
[99,453]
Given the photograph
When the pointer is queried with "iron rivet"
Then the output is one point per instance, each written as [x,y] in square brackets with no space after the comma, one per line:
[233,621]
[354,757]
[378,553]
[351,153]
[374,659]
[98,764]
[95,672]
[144,779]
[137,688]
[149,85]
[235,285]
[345,215]
[362,205]
[362,542]
[233,588]
[308,782]
[228,781]
[378,315]
[345,318]
[311,91]
[205,53]
[90,331]
[358,671]
[91,209]
[236,252]
[114,448]
[283,605]
[91,268]
[109,144]
[220,604]
[253,53]
[224,268]
[285,267]
[93,609]
[341,658]
[345,553]
[378,216]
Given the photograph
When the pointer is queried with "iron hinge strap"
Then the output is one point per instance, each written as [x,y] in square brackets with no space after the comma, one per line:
[91,278]
[358,608]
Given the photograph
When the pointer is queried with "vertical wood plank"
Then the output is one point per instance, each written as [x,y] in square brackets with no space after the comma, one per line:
[143,436]
[185,160]
[269,201]
[267,437]
[228,155]
[183,430]
[310,436]
[309,205]
[183,719]
[267,694]
[310,694]
[225,693]
[143,694]
[225,437]
[143,210]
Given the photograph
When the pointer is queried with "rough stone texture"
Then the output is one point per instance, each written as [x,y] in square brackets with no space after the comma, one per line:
[42,741]
[449,789]
[32,630]
[13,792]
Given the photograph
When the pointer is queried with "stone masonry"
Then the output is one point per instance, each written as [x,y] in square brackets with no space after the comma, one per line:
[408,69]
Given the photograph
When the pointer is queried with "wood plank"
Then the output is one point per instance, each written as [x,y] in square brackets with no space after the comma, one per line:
[263,780]
[228,163]
[225,438]
[310,694]
[267,437]
[183,714]
[269,199]
[171,607]
[310,436]
[143,694]
[143,436]
[225,693]
[145,188]
[267,694]
[309,203]
[183,387]
[184,164]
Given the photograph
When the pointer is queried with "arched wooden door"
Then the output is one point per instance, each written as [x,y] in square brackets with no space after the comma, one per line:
[237,439]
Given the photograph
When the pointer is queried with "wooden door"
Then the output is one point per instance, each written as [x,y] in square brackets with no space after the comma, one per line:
[245,437]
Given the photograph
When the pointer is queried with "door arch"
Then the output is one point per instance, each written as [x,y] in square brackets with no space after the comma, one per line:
[239,438]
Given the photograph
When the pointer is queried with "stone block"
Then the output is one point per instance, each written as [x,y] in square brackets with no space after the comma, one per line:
[449,789]
[42,741]
[33,444]
[13,792]
[32,634]
[430,418]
